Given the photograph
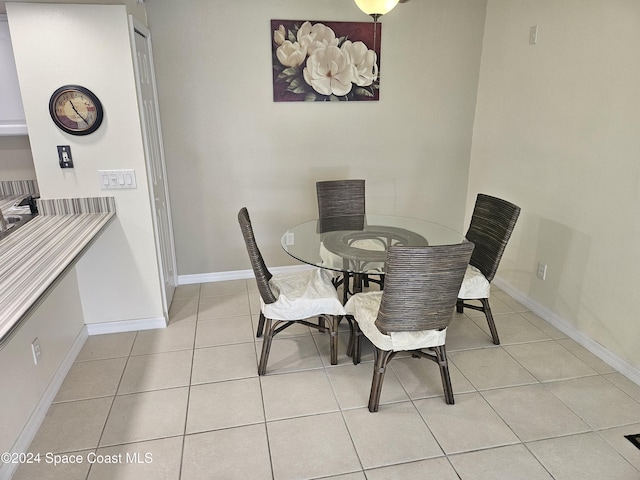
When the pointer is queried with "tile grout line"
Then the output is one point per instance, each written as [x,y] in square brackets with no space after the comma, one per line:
[113,401]
[341,410]
[186,413]
[256,358]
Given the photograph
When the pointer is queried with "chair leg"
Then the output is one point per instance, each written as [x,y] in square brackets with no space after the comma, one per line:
[260,326]
[354,342]
[345,287]
[492,326]
[266,345]
[379,367]
[357,342]
[351,336]
[346,280]
[443,363]
[357,282]
[321,325]
[333,338]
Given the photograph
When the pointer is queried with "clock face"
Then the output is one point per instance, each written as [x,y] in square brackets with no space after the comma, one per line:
[75,110]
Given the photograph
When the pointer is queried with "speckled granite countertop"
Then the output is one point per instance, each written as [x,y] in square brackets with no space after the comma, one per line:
[35,256]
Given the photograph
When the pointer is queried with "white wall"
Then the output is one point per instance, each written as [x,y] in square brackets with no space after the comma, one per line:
[133,7]
[229,145]
[57,323]
[556,132]
[16,162]
[118,277]
[15,153]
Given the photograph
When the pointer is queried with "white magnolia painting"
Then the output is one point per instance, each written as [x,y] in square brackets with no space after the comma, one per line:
[325,61]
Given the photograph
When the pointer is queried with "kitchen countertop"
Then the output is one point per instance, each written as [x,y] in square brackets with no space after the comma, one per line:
[34,257]
[6,202]
[9,207]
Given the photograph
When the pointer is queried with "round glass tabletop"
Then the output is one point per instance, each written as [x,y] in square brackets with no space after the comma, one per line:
[358,243]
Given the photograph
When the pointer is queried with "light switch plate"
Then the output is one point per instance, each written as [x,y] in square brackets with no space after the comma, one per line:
[64,156]
[117,179]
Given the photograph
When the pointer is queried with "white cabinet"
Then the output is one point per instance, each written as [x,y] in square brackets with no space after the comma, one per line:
[12,120]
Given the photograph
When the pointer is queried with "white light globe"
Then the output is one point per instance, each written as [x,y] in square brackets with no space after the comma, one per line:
[376,7]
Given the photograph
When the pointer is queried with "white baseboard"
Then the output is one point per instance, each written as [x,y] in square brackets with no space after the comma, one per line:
[126,325]
[214,277]
[35,421]
[234,275]
[626,369]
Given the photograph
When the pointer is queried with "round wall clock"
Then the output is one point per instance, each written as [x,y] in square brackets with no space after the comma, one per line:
[76,110]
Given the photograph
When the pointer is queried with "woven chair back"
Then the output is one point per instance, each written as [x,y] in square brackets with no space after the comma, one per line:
[339,198]
[491,226]
[260,269]
[421,286]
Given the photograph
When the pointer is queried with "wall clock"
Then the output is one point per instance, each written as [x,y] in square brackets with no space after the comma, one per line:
[76,110]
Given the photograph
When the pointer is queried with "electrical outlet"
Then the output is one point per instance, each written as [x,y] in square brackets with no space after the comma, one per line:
[36,351]
[542,271]
[289,238]
[533,35]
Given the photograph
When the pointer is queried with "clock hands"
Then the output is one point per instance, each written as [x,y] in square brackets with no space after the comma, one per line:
[78,113]
[75,110]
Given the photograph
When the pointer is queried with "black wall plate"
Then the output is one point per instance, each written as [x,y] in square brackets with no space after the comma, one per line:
[64,156]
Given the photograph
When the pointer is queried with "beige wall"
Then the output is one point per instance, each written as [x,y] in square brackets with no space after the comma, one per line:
[229,145]
[133,7]
[118,277]
[556,132]
[16,162]
[57,323]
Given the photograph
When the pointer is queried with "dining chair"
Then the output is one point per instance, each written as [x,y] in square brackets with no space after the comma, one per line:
[492,223]
[412,312]
[287,299]
[340,198]
[343,198]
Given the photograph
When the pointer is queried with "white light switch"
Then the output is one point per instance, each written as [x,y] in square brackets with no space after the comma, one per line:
[117,179]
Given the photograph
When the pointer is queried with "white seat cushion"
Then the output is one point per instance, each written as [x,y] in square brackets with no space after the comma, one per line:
[369,244]
[364,308]
[336,262]
[373,244]
[331,260]
[301,295]
[474,285]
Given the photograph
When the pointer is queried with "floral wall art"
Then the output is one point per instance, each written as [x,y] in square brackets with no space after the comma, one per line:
[325,61]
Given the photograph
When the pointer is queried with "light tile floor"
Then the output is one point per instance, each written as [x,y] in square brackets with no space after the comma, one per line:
[186,403]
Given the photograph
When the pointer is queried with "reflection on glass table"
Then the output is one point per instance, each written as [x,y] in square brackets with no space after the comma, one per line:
[358,244]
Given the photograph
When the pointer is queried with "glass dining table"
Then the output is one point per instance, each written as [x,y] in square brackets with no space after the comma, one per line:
[357,244]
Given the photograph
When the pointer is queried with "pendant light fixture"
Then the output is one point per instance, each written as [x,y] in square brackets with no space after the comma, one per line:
[376,8]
